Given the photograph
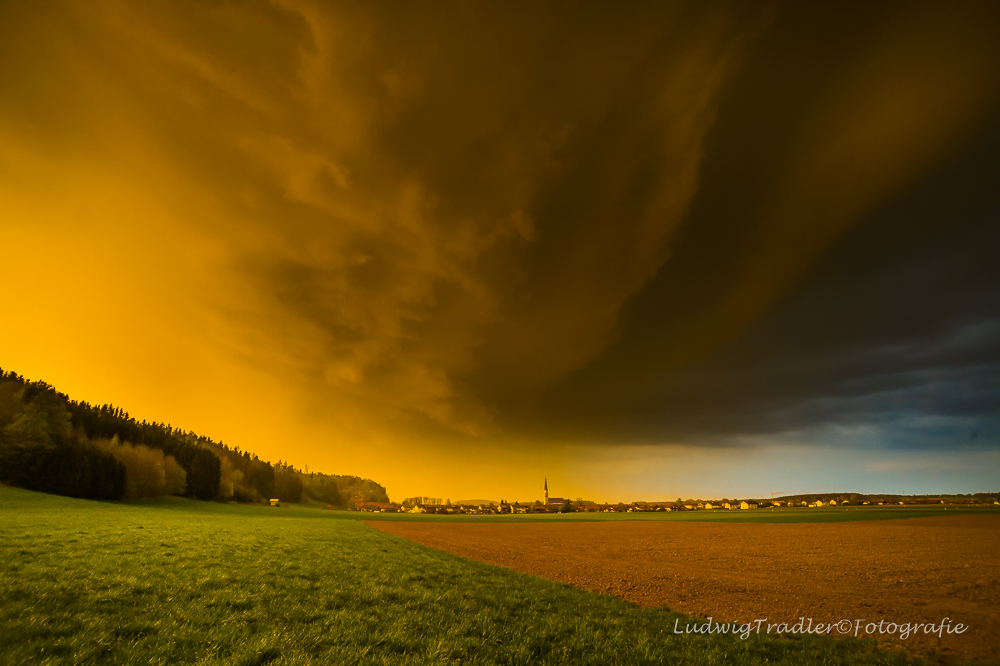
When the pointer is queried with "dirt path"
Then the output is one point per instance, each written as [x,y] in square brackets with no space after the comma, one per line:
[910,570]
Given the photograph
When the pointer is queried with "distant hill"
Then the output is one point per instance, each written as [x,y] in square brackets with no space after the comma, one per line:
[874,498]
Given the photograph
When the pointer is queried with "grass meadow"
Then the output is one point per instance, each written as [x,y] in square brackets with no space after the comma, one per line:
[180,581]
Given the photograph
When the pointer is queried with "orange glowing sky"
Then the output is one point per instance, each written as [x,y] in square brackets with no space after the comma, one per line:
[674,249]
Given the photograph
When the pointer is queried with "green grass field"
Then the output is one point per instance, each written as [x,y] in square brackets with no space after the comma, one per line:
[178,581]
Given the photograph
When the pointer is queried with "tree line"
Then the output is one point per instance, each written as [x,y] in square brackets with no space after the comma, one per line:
[61,446]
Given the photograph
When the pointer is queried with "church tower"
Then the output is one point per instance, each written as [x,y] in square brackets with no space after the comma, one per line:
[545,494]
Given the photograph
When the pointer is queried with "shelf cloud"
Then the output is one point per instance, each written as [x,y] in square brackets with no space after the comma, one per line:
[521,225]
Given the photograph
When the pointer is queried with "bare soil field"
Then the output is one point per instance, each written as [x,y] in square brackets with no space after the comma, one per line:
[908,570]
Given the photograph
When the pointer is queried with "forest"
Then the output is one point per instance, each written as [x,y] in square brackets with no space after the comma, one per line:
[53,444]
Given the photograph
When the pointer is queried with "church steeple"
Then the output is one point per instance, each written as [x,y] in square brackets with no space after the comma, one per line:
[546,493]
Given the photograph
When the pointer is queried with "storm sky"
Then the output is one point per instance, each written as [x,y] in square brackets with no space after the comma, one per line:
[655,250]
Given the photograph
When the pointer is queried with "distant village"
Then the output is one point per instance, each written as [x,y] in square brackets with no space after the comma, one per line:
[434,505]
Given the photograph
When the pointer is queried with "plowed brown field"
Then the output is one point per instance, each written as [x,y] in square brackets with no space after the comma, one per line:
[908,570]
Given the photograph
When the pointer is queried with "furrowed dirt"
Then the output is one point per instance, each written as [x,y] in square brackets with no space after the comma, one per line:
[916,570]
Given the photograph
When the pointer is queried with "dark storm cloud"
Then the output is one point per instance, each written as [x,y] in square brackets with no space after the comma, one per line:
[661,222]
[891,316]
[445,211]
[451,209]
